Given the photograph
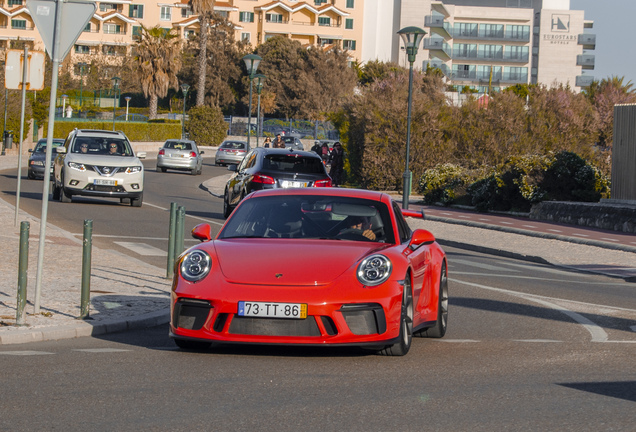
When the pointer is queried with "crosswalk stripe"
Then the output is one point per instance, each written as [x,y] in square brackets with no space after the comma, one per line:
[25,353]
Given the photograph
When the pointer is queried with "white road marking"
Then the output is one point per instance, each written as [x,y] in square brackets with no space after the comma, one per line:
[597,333]
[143,249]
[465,217]
[190,216]
[553,230]
[530,226]
[580,235]
[482,266]
[537,340]
[609,239]
[484,219]
[507,223]
[101,350]
[457,340]
[25,353]
[578,282]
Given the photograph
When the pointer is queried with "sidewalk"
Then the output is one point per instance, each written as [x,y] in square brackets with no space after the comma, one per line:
[127,293]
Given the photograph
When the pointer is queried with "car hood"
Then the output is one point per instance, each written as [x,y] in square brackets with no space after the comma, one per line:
[288,261]
[104,160]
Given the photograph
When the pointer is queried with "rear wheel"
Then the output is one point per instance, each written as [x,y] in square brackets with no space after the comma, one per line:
[406,323]
[191,345]
[193,171]
[439,329]
[56,192]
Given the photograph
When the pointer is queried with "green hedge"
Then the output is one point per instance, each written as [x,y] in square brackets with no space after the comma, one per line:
[135,131]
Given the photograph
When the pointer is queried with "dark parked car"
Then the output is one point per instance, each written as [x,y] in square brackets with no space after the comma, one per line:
[293,143]
[268,168]
[38,156]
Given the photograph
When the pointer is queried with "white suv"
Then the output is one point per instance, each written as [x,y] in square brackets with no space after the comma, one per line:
[98,163]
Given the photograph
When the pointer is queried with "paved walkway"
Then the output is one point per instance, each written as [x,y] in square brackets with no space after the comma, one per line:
[127,293]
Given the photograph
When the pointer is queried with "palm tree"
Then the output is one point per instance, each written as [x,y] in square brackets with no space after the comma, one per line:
[158,57]
[203,8]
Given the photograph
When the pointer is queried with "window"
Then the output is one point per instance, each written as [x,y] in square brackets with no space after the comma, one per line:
[465,30]
[518,32]
[82,49]
[491,30]
[483,72]
[105,7]
[272,17]
[112,28]
[87,28]
[517,53]
[516,73]
[349,23]
[18,24]
[166,13]
[136,32]
[465,50]
[245,37]
[319,2]
[109,50]
[14,3]
[136,11]
[186,13]
[349,45]
[491,51]
[324,21]
[189,34]
[350,4]
[324,42]
[246,17]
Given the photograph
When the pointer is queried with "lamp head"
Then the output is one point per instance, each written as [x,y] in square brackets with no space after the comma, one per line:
[116,81]
[251,63]
[185,88]
[412,36]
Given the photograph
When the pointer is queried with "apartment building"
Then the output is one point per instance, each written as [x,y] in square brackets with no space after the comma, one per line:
[116,24]
[489,44]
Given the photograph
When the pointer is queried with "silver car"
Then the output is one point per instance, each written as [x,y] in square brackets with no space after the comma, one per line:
[231,152]
[180,155]
[98,163]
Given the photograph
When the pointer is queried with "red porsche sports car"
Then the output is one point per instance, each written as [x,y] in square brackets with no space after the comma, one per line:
[311,267]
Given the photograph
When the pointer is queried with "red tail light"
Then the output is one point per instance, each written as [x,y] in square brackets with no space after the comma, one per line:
[162,152]
[193,154]
[259,178]
[323,183]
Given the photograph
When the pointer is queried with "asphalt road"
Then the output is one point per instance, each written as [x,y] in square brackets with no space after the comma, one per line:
[529,347]
[139,232]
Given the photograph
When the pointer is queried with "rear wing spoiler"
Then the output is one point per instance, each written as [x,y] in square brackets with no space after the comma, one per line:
[412,213]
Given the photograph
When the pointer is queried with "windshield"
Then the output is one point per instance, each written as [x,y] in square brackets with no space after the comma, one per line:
[293,163]
[178,145]
[310,216]
[41,146]
[102,146]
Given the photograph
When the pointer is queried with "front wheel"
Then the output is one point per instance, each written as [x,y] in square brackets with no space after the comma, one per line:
[64,197]
[406,323]
[227,210]
[136,202]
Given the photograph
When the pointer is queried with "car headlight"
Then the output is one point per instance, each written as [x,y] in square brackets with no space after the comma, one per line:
[77,166]
[133,169]
[195,265]
[374,270]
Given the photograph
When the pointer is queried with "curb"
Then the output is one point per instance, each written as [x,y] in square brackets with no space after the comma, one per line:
[84,328]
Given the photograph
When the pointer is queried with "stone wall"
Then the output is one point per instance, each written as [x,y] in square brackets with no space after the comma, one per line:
[617,217]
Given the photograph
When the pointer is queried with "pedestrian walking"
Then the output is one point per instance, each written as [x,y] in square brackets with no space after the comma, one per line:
[278,142]
[337,164]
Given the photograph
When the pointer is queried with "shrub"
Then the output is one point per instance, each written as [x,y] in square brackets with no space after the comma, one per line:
[206,125]
[570,178]
[444,183]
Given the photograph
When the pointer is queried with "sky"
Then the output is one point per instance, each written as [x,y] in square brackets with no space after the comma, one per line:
[615,53]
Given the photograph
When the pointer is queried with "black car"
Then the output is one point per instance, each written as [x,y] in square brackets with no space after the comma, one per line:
[38,156]
[269,168]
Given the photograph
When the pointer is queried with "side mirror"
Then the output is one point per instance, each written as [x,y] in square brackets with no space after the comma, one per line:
[202,232]
[201,152]
[60,149]
[421,237]
[30,150]
[232,167]
[141,155]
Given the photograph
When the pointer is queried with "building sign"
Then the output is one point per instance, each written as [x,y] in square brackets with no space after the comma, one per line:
[560,23]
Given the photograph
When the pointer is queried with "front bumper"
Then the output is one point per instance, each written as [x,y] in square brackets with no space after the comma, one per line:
[85,184]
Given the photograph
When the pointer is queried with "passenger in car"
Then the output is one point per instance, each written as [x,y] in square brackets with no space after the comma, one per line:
[113,149]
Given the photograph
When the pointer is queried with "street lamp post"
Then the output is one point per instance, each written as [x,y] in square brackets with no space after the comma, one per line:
[251,63]
[184,90]
[259,88]
[411,36]
[81,66]
[115,87]
[128,98]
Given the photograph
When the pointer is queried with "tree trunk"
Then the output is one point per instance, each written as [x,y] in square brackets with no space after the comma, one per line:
[154,101]
[203,63]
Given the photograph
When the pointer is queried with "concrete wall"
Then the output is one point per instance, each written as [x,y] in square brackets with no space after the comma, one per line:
[616,217]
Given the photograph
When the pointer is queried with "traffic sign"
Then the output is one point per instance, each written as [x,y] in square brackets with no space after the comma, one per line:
[14,67]
[75,14]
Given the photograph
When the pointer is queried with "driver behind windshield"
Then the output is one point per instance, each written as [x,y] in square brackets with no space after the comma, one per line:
[361,224]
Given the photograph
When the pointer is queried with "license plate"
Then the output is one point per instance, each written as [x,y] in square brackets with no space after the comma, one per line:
[102,182]
[272,310]
[293,184]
